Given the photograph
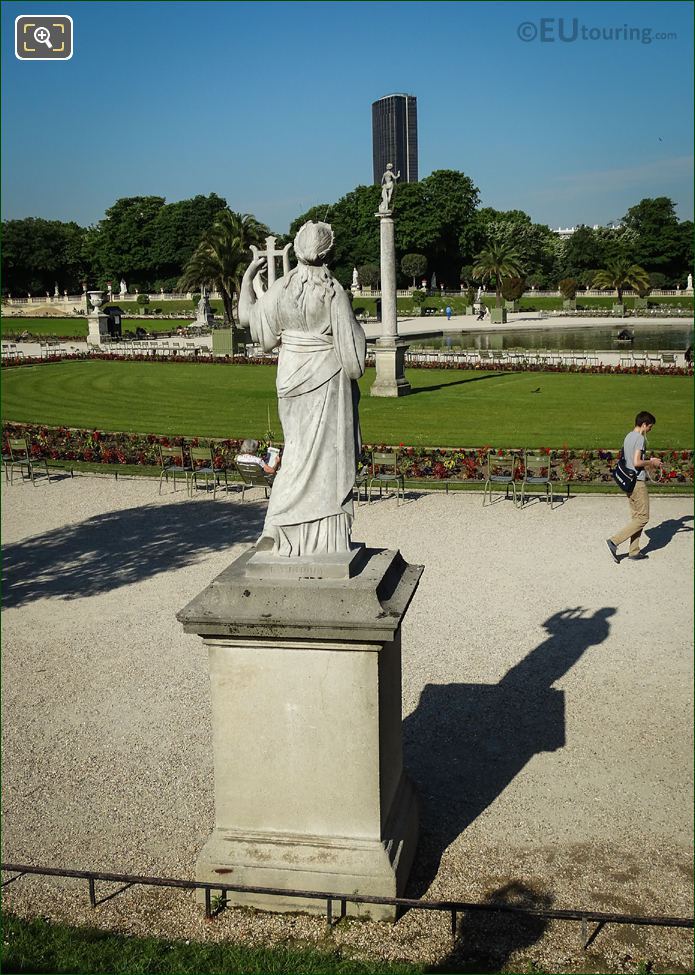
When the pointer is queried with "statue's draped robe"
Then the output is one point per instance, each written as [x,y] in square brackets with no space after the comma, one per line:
[322,354]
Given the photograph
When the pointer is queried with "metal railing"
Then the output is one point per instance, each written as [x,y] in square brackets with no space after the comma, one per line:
[452,907]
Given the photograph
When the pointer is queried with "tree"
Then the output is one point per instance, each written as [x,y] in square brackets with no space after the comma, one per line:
[223,255]
[178,228]
[662,243]
[583,251]
[497,261]
[369,275]
[37,254]
[621,274]
[414,266]
[122,243]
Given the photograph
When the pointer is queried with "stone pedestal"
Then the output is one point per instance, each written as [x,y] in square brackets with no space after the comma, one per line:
[390,379]
[97,329]
[305,671]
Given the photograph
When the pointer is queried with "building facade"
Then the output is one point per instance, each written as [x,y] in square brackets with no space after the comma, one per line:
[394,136]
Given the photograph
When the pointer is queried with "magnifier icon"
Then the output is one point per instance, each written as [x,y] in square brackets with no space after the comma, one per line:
[42,35]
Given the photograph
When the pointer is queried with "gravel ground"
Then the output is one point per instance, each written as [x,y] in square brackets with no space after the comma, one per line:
[547,702]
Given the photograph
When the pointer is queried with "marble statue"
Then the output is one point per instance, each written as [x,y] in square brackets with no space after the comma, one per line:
[479,295]
[433,281]
[689,284]
[388,184]
[204,315]
[124,289]
[322,355]
[355,279]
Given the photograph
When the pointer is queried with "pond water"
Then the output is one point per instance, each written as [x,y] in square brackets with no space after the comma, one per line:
[677,336]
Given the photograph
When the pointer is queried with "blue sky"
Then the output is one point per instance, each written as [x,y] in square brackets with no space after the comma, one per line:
[268,104]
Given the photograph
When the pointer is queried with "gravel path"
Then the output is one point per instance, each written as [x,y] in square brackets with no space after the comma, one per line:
[547,702]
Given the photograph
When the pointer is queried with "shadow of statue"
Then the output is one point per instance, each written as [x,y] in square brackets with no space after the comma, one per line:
[660,535]
[464,743]
[485,940]
[118,548]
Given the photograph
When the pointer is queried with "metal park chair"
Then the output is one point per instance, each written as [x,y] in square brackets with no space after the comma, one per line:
[538,471]
[502,467]
[361,481]
[19,458]
[385,472]
[172,462]
[252,475]
[203,465]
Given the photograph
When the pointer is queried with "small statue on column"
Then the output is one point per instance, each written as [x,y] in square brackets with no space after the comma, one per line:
[388,184]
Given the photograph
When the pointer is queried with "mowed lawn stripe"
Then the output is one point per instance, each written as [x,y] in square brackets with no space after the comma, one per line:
[446,407]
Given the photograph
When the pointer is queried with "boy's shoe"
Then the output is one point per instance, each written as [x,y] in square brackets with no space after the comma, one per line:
[613,549]
[638,557]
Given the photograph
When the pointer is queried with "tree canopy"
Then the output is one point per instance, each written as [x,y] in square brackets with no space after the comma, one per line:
[434,217]
[149,242]
[37,254]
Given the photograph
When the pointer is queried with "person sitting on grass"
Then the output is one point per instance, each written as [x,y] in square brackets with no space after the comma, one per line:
[249,455]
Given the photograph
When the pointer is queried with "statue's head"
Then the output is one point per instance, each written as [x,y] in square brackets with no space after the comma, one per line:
[389,165]
[313,242]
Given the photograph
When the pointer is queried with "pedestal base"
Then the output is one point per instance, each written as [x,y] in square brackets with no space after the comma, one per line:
[390,368]
[305,682]
[344,865]
[97,329]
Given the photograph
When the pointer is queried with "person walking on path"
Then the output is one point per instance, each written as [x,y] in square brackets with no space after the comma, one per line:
[448,312]
[634,450]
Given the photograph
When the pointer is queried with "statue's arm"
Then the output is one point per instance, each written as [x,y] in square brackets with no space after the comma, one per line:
[247,294]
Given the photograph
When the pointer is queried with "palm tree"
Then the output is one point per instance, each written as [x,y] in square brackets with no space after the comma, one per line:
[619,274]
[498,260]
[223,255]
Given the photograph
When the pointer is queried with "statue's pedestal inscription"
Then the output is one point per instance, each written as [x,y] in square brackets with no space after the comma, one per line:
[310,792]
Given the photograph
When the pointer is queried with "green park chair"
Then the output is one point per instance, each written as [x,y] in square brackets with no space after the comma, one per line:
[203,465]
[252,475]
[385,472]
[19,458]
[502,468]
[172,462]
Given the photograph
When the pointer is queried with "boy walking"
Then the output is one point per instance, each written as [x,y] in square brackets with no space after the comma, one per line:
[634,450]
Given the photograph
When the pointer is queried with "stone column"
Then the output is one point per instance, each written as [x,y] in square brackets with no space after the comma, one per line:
[305,673]
[389,350]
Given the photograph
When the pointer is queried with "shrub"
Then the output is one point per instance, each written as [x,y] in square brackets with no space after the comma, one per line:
[419,298]
[142,300]
[568,288]
[195,298]
[513,288]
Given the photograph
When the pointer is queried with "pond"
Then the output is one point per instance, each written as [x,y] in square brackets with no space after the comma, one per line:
[676,336]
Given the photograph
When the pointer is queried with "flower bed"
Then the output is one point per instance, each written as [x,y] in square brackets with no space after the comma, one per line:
[67,444]
[272,360]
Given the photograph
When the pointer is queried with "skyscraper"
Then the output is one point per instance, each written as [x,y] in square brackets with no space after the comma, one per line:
[394,136]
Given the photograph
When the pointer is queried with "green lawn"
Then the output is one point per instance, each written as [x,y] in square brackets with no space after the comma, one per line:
[76,328]
[446,408]
[41,946]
